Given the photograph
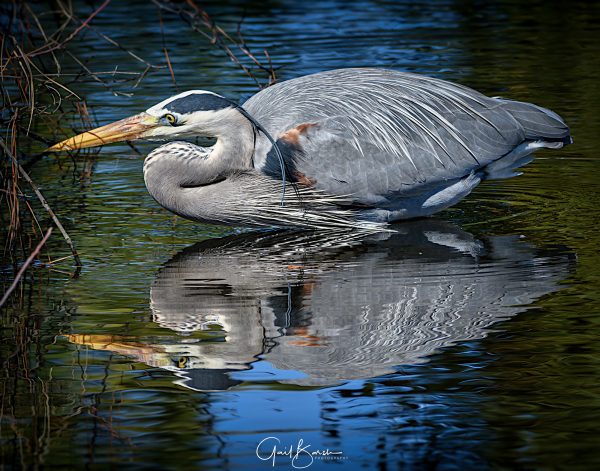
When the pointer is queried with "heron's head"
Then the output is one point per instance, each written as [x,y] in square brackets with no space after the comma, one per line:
[189,114]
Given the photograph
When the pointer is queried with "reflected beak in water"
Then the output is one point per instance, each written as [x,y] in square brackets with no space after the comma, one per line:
[126,129]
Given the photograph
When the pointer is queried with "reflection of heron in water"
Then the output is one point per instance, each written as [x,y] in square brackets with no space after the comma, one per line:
[338,311]
[359,144]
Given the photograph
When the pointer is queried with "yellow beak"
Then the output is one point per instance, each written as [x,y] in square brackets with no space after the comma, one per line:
[126,129]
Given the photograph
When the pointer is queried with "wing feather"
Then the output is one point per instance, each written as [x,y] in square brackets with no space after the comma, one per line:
[378,132]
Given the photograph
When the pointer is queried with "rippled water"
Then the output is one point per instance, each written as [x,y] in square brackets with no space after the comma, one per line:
[465,341]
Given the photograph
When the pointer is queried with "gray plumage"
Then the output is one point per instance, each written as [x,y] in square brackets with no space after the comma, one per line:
[361,144]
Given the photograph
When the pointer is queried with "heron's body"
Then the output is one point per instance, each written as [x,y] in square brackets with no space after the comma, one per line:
[361,145]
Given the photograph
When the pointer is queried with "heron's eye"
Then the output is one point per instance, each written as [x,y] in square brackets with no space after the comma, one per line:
[171,119]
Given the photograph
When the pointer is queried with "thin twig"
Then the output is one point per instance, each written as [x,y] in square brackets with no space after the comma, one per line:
[45,50]
[170,68]
[46,206]
[24,267]
[201,22]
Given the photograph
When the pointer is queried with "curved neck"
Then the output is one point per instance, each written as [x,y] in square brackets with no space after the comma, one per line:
[234,148]
[181,176]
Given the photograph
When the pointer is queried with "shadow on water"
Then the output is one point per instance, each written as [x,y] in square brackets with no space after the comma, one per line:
[313,309]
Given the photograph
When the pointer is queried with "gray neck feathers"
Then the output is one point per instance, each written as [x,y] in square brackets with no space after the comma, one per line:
[182,177]
[235,140]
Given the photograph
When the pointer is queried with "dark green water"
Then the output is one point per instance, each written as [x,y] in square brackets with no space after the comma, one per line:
[466,341]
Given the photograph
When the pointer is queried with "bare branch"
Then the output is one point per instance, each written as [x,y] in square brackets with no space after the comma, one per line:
[45,49]
[46,206]
[24,267]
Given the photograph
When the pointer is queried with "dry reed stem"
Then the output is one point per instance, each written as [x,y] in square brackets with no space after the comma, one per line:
[201,22]
[47,48]
[46,206]
[24,267]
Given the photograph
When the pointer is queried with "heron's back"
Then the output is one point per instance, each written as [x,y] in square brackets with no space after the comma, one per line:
[378,134]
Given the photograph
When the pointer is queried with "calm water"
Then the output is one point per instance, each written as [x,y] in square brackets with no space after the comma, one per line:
[466,341]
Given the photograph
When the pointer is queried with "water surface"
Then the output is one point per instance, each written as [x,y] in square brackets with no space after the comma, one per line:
[465,341]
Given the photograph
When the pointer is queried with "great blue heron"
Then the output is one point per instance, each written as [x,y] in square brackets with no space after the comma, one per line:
[360,146]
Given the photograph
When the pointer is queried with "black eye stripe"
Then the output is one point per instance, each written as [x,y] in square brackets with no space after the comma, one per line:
[198,102]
